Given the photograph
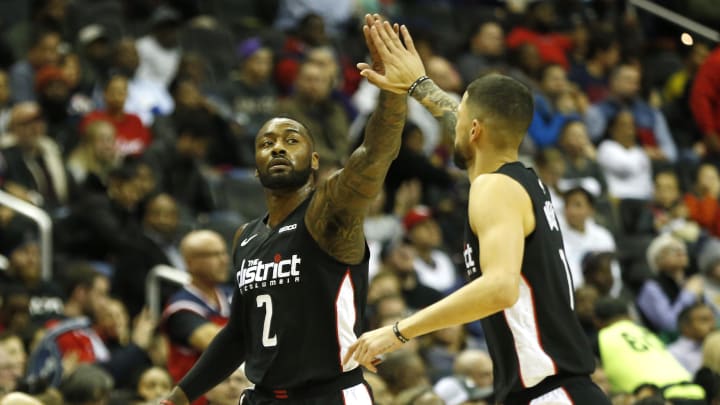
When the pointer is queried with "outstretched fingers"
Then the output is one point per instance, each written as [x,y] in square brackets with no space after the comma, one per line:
[407,39]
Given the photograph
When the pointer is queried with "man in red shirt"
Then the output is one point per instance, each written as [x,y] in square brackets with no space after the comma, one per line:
[132,136]
[705,101]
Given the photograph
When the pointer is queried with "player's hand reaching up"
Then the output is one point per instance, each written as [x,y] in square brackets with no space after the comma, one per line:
[395,66]
[367,349]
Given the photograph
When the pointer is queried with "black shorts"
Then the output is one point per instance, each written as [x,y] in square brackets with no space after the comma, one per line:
[357,395]
[575,391]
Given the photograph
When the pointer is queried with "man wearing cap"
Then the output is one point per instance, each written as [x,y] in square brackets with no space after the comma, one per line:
[159,50]
[433,266]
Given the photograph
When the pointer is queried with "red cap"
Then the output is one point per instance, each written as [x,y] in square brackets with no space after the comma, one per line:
[48,74]
[416,215]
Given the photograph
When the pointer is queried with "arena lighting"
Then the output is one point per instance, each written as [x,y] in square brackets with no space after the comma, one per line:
[686,39]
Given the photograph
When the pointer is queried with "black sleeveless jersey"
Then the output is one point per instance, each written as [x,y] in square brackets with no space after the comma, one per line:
[539,336]
[301,307]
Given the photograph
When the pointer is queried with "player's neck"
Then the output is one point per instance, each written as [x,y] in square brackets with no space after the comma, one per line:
[281,203]
[489,161]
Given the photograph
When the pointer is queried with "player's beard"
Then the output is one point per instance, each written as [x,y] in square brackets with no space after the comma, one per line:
[459,159]
[286,181]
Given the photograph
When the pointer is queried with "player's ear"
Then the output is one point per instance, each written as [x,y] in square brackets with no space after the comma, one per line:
[476,130]
[315,161]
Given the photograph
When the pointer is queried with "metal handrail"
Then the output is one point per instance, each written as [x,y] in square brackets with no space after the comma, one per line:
[677,19]
[44,223]
[159,273]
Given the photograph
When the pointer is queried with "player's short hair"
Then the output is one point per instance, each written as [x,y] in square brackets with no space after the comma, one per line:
[505,99]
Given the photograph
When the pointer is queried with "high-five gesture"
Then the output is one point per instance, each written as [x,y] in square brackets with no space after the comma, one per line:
[395,66]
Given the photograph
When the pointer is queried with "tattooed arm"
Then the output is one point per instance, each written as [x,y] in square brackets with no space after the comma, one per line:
[402,66]
[338,208]
[441,106]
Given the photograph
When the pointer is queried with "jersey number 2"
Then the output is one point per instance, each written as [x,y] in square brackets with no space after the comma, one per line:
[265,301]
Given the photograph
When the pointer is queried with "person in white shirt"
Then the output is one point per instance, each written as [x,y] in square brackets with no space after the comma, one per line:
[582,235]
[160,50]
[625,164]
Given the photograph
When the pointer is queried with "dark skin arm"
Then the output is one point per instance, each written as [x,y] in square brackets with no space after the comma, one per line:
[338,208]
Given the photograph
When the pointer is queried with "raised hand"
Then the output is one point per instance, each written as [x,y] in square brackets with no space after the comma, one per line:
[395,66]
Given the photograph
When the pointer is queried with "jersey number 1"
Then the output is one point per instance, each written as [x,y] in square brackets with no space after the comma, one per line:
[569,278]
[265,301]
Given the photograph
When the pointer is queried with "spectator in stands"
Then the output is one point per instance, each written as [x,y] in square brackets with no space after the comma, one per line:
[157,244]
[486,51]
[85,289]
[419,395]
[581,234]
[705,102]
[668,210]
[153,384]
[708,376]
[663,297]
[325,118]
[178,166]
[228,391]
[585,298]
[381,227]
[91,161]
[44,51]
[146,98]
[53,95]
[411,164]
[402,370]
[45,299]
[13,359]
[632,355]
[101,226]
[196,313]
[95,57]
[33,160]
[399,259]
[703,204]
[550,115]
[433,266]
[538,29]
[159,50]
[626,165]
[132,136]
[550,166]
[309,32]
[128,348]
[440,349]
[652,129]
[677,84]
[580,156]
[5,106]
[87,385]
[695,322]
[253,95]
[708,261]
[603,55]
[294,15]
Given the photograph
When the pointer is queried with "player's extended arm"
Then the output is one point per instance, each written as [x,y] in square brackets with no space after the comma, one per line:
[224,355]
[202,336]
[501,217]
[403,67]
[337,211]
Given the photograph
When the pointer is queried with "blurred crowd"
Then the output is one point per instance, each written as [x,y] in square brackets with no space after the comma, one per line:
[131,123]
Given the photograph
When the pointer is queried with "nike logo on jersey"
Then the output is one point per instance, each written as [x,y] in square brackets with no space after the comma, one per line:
[246,241]
[286,228]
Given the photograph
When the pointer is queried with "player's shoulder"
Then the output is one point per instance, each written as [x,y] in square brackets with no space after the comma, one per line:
[498,186]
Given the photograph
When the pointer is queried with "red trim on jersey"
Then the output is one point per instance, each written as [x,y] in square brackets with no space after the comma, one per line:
[567,394]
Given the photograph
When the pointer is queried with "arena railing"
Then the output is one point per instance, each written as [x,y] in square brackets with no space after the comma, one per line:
[44,223]
[158,274]
[677,19]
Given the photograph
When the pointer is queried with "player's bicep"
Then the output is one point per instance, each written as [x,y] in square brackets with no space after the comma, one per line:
[497,218]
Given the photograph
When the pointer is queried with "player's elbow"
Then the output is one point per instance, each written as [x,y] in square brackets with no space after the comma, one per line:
[507,293]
